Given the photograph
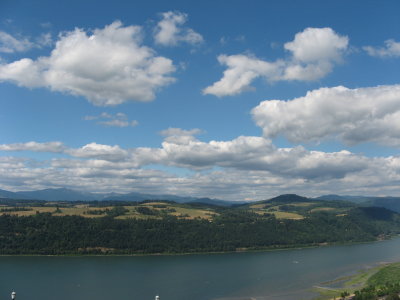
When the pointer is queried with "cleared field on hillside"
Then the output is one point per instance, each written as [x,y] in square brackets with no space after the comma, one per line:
[152,210]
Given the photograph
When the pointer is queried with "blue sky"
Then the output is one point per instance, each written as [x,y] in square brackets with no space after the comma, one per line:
[227,99]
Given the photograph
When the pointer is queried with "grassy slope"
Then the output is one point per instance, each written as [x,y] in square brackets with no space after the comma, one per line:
[298,208]
[185,211]
[388,274]
[286,207]
[380,275]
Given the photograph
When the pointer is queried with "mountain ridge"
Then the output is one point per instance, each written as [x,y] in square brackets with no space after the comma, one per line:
[65,194]
[389,202]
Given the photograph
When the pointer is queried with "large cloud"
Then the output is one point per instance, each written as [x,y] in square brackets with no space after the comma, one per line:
[379,176]
[352,115]
[169,31]
[243,153]
[257,153]
[108,67]
[245,167]
[314,52]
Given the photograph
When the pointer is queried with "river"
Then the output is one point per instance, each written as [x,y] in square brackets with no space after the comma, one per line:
[287,274]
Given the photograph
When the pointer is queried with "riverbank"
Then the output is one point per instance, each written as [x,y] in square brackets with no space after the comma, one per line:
[239,250]
[379,275]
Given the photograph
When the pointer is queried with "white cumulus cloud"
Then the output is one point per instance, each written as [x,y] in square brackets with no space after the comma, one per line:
[181,149]
[249,167]
[317,44]
[170,32]
[352,115]
[240,73]
[99,151]
[108,66]
[245,167]
[314,53]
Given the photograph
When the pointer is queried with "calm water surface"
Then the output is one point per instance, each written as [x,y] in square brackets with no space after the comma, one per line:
[268,275]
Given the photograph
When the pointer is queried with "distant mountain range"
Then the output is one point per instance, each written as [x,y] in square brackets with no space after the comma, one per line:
[392,203]
[354,199]
[64,194]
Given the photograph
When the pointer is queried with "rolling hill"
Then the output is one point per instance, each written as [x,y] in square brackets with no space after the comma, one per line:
[161,226]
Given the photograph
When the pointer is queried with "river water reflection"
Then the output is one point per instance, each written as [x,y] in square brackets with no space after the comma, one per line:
[263,275]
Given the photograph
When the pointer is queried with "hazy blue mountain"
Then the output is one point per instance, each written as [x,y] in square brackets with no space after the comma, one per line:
[218,202]
[63,194]
[332,197]
[60,194]
[7,194]
[392,203]
[354,199]
[142,197]
[134,196]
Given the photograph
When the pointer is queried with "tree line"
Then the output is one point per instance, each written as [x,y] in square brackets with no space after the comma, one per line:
[233,229]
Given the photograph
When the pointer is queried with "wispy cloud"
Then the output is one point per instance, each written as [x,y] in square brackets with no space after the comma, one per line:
[112,120]
[11,44]
[53,147]
[391,49]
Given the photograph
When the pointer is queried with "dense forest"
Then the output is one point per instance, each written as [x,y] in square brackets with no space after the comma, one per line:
[230,229]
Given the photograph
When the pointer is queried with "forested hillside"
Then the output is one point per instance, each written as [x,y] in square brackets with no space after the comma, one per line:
[39,227]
